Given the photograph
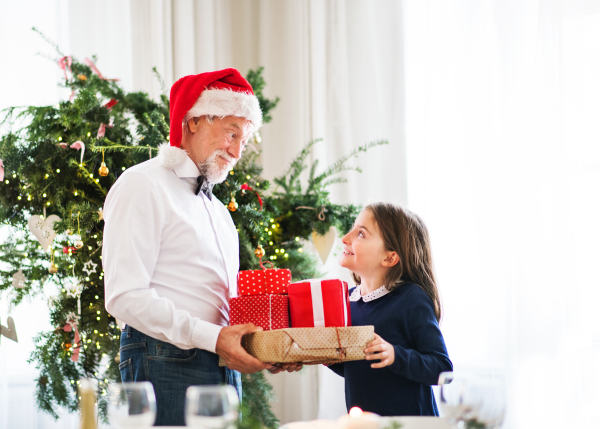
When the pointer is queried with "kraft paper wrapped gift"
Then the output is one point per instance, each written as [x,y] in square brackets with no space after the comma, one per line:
[267,311]
[319,303]
[309,345]
[260,282]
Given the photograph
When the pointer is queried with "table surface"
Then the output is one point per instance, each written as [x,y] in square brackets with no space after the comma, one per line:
[407,423]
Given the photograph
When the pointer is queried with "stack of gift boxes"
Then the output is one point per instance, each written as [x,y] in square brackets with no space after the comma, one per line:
[268,299]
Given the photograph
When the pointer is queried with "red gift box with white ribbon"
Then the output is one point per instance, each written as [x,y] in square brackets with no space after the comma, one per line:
[319,303]
[265,281]
[267,311]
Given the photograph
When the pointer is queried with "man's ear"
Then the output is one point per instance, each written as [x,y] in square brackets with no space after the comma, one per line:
[193,125]
[391,259]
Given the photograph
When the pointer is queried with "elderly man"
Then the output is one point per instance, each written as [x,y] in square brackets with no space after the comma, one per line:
[171,253]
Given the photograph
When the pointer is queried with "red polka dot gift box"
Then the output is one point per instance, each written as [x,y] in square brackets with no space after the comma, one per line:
[267,281]
[319,303]
[267,311]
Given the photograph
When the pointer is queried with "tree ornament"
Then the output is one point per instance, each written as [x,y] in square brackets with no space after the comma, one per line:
[19,279]
[43,229]
[101,214]
[259,252]
[82,77]
[74,290]
[53,268]
[257,137]
[233,205]
[9,330]
[324,243]
[89,267]
[79,145]
[103,170]
[245,188]
[78,243]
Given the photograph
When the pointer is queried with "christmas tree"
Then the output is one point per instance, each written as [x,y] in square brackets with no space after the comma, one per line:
[59,164]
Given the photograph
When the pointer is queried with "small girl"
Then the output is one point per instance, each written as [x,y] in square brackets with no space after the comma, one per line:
[389,254]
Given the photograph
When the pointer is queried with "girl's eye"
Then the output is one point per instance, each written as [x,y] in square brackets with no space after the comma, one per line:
[360,234]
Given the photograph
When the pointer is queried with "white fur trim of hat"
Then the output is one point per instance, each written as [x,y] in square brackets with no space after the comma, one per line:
[225,102]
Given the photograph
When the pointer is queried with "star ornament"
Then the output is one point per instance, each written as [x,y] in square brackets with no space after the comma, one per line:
[19,280]
[72,318]
[74,290]
[89,267]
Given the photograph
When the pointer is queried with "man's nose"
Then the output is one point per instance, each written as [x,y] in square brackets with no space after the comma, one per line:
[235,149]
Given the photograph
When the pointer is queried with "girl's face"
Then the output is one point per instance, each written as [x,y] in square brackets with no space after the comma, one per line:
[364,251]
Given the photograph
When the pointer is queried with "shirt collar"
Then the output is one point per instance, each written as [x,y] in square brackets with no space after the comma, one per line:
[356,296]
[187,169]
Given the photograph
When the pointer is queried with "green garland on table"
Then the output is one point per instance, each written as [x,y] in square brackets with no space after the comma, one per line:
[42,176]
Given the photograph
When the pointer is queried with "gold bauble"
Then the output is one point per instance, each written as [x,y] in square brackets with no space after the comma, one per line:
[233,205]
[79,244]
[259,252]
[103,170]
[69,232]
[82,77]
[53,269]
[118,358]
[257,138]
[100,214]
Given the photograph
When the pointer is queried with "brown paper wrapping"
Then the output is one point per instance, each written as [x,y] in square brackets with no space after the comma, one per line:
[309,345]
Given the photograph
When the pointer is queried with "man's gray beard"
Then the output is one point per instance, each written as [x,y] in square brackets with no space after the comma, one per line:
[211,169]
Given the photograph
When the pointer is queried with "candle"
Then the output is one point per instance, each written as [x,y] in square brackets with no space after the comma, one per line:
[358,419]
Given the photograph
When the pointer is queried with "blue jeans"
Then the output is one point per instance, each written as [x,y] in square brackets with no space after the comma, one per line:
[171,371]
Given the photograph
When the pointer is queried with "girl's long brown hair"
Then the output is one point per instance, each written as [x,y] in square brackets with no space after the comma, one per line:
[405,233]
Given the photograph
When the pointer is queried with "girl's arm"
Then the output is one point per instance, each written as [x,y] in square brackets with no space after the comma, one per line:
[428,358]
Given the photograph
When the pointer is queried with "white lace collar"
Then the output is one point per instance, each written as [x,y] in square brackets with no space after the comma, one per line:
[356,296]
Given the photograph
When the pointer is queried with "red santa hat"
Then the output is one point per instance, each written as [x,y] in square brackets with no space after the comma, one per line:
[219,93]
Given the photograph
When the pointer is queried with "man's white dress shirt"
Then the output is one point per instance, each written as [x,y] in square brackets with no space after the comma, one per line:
[170,257]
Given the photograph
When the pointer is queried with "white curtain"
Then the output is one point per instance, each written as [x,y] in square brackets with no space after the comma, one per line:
[503,165]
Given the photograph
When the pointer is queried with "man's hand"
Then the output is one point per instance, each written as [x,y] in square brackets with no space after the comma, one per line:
[380,349]
[229,347]
[289,367]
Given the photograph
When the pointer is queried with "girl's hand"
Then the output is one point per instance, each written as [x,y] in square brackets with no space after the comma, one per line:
[380,349]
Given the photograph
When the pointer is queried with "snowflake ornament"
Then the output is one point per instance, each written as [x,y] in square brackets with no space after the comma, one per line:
[72,318]
[74,290]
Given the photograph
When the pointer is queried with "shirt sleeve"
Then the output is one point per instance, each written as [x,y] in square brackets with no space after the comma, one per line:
[428,356]
[134,218]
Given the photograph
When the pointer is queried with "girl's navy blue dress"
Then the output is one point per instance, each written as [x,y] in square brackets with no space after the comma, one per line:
[406,319]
